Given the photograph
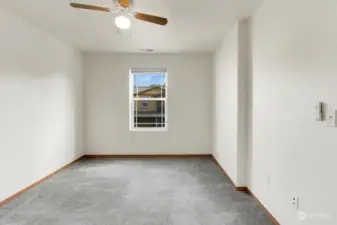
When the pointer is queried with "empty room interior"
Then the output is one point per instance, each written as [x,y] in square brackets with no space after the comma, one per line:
[168,112]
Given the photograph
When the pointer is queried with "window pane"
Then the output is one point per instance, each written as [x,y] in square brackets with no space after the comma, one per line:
[149,113]
[149,85]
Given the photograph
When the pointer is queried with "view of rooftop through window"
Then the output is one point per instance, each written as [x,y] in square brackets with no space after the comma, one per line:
[150,85]
[149,99]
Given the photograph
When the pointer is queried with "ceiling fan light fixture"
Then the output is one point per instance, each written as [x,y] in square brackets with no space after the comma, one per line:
[123,22]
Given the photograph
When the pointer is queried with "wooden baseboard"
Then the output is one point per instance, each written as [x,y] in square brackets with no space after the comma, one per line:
[246,189]
[37,182]
[258,201]
[150,156]
[229,178]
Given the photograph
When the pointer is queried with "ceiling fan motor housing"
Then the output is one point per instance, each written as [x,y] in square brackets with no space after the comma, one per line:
[120,3]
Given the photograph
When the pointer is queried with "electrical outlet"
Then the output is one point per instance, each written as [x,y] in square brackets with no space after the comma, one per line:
[295,202]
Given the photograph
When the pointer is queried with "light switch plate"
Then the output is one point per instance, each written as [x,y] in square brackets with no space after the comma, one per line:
[332,118]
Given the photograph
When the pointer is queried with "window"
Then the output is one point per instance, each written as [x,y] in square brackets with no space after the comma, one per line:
[148,100]
[145,105]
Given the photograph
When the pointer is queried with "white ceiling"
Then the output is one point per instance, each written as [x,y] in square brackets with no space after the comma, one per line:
[194,25]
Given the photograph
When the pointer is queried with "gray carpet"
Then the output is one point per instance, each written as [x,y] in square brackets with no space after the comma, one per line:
[135,192]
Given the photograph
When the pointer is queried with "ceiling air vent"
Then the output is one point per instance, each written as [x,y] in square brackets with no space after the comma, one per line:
[148,50]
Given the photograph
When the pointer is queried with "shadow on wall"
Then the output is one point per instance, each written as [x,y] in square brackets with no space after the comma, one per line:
[38,123]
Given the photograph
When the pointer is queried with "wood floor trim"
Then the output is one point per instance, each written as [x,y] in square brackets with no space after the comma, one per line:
[229,178]
[246,189]
[150,156]
[264,208]
[37,182]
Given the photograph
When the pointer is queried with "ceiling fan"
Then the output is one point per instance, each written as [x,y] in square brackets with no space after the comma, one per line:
[123,13]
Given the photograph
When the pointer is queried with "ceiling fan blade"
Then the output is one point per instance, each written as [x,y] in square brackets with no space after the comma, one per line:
[150,18]
[124,3]
[89,7]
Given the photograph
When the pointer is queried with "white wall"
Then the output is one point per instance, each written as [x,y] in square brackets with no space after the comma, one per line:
[40,104]
[225,107]
[107,104]
[229,107]
[243,100]
[294,50]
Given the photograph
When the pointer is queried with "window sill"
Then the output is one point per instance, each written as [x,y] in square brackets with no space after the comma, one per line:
[149,129]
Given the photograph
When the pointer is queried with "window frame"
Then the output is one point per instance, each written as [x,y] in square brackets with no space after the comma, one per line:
[132,99]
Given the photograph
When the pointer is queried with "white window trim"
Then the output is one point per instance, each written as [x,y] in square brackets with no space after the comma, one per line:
[131,101]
